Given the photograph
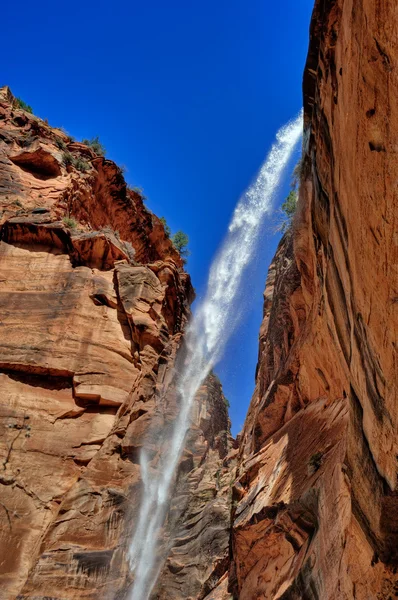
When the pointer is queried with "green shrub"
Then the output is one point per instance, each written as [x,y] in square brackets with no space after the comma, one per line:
[76,161]
[70,222]
[226,402]
[70,137]
[80,164]
[288,209]
[67,158]
[167,229]
[290,204]
[21,104]
[139,191]
[181,241]
[110,231]
[95,145]
[60,144]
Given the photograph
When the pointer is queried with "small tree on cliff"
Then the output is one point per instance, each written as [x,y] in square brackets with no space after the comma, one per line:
[289,206]
[167,229]
[21,104]
[95,145]
[181,241]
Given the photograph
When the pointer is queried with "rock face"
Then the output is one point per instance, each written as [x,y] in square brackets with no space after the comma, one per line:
[94,301]
[316,492]
[201,505]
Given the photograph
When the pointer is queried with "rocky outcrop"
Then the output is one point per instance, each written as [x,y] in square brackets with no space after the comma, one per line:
[43,170]
[94,301]
[316,492]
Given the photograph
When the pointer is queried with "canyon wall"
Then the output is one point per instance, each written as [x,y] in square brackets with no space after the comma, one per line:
[94,300]
[315,500]
[94,303]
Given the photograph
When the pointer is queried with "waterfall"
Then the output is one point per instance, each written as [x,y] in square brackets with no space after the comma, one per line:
[206,338]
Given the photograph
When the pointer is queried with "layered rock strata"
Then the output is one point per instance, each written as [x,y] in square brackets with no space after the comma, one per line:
[94,301]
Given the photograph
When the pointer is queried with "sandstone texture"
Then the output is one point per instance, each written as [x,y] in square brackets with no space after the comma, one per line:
[94,303]
[316,499]
[94,300]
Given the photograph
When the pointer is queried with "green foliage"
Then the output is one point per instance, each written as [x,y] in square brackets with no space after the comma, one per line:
[108,229]
[140,192]
[80,164]
[290,204]
[76,161]
[167,229]
[181,241]
[95,145]
[21,104]
[288,209]
[60,144]
[226,402]
[70,222]
[70,137]
[67,159]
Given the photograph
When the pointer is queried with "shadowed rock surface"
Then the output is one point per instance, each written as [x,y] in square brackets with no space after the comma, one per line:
[317,474]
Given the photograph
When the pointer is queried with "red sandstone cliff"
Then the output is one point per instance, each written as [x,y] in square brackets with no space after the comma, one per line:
[94,302]
[316,493]
[90,335]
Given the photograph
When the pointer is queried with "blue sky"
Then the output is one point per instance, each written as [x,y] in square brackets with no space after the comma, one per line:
[188,96]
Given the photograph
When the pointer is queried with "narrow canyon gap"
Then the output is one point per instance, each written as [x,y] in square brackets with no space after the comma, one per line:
[94,306]
[206,338]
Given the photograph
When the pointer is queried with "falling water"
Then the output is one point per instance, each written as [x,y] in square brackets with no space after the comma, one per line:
[205,339]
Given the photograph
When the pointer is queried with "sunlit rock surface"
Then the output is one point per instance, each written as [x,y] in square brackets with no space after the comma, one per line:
[94,301]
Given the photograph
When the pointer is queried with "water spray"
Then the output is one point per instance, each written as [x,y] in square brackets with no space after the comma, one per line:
[206,338]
